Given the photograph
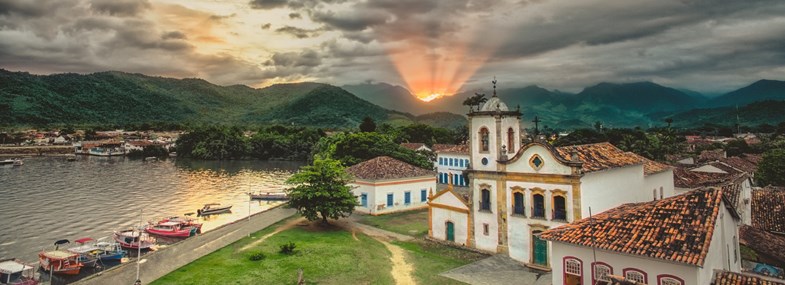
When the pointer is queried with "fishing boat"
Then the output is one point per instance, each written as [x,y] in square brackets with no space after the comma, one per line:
[60,261]
[213,208]
[269,196]
[133,239]
[184,222]
[88,253]
[110,251]
[13,271]
[171,229]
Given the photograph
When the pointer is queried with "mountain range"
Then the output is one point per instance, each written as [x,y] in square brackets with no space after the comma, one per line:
[117,98]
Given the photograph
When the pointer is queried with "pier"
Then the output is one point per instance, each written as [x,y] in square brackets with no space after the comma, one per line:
[165,260]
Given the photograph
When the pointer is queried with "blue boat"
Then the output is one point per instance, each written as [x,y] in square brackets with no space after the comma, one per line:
[111,251]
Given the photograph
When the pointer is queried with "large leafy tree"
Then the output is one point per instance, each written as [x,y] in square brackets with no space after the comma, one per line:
[353,148]
[771,170]
[321,192]
[475,101]
[368,125]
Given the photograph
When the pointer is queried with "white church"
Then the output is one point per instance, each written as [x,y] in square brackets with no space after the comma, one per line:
[519,190]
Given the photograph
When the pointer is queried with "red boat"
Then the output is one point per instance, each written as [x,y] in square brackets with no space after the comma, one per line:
[133,239]
[184,222]
[60,261]
[171,229]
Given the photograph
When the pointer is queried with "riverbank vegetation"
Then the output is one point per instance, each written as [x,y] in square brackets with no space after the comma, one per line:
[271,143]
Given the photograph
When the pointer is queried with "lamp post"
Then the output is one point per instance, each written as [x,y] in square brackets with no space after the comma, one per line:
[139,250]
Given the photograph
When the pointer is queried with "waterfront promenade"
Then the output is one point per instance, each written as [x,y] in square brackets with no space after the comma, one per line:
[166,260]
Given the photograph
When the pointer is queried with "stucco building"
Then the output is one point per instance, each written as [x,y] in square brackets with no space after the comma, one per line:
[385,185]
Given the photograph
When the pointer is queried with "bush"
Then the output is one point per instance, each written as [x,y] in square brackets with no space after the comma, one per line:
[257,256]
[288,248]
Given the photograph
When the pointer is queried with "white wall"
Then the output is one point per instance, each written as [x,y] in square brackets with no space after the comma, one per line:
[603,190]
[440,217]
[477,123]
[482,241]
[722,250]
[550,166]
[518,228]
[618,262]
[377,195]
[455,169]
[658,180]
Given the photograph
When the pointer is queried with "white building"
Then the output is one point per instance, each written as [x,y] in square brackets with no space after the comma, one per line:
[384,185]
[518,191]
[451,162]
[679,240]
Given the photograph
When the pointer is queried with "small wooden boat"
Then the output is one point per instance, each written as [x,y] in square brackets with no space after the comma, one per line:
[110,251]
[88,254]
[60,261]
[269,196]
[171,229]
[213,208]
[133,239]
[13,271]
[184,221]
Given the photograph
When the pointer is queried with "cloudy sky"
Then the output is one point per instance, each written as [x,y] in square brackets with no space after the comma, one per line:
[428,46]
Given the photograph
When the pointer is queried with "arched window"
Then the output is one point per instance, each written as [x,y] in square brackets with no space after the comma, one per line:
[636,275]
[484,142]
[601,272]
[485,202]
[665,279]
[517,204]
[573,271]
[538,209]
[510,140]
[559,208]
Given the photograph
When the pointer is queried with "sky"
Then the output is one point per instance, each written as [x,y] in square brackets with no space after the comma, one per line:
[430,47]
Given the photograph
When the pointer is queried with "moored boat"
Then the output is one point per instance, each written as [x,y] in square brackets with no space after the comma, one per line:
[133,239]
[171,229]
[184,221]
[213,208]
[110,251]
[269,196]
[60,261]
[19,162]
[13,271]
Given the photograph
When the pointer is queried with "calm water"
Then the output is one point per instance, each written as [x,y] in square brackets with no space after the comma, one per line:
[48,199]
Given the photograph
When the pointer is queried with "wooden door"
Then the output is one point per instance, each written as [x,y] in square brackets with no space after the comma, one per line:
[450,231]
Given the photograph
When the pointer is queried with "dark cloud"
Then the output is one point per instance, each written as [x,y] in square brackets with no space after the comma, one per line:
[120,7]
[173,35]
[305,58]
[295,16]
[299,33]
[266,26]
[268,4]
[220,18]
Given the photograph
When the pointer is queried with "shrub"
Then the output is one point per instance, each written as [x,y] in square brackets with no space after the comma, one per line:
[288,248]
[257,256]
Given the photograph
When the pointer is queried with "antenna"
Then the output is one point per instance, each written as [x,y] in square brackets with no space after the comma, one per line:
[738,125]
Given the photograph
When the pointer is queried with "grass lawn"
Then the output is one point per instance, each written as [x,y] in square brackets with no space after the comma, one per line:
[413,223]
[326,255]
[429,259]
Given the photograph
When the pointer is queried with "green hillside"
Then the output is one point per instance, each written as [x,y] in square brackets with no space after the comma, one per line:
[768,112]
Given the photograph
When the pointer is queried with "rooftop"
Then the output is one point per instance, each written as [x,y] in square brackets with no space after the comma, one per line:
[768,209]
[684,178]
[451,148]
[651,166]
[677,229]
[722,277]
[763,242]
[385,167]
[740,164]
[413,146]
[600,156]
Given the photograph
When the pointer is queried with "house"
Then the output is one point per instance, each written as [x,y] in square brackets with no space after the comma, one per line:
[416,146]
[768,209]
[385,185]
[722,277]
[769,256]
[451,162]
[139,145]
[719,175]
[521,189]
[678,240]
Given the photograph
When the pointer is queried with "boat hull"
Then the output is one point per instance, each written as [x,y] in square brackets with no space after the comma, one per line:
[112,256]
[183,233]
[129,242]
[202,212]
[60,266]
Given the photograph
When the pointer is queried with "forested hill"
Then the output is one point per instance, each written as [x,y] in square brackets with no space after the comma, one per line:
[117,98]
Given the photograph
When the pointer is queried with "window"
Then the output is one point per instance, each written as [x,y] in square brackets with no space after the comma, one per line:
[460,162]
[538,211]
[573,271]
[364,200]
[735,250]
[601,272]
[407,197]
[389,200]
[466,162]
[510,140]
[636,275]
[485,202]
[451,162]
[485,229]
[517,205]
[423,195]
[654,194]
[669,280]
[441,161]
[484,143]
[661,193]
[559,208]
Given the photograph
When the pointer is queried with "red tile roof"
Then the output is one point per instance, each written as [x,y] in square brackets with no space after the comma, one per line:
[711,155]
[763,242]
[768,209]
[740,164]
[684,178]
[600,156]
[651,166]
[412,146]
[722,277]
[677,229]
[451,148]
[385,167]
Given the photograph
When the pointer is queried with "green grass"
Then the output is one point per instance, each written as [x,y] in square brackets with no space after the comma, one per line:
[413,223]
[327,256]
[429,259]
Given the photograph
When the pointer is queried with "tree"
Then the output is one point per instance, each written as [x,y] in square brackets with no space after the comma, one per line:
[367,125]
[669,121]
[475,100]
[321,191]
[771,170]
[737,147]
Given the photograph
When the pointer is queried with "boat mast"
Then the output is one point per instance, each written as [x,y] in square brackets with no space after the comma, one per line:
[139,249]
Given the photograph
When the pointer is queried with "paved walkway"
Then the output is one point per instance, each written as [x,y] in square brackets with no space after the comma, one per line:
[161,262]
[498,269]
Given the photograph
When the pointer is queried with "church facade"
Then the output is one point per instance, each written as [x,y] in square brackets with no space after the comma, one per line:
[518,190]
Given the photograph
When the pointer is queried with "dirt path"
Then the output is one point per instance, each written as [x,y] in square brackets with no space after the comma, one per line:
[401,270]
[284,227]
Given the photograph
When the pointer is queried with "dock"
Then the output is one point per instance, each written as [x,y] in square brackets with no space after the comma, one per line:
[166,260]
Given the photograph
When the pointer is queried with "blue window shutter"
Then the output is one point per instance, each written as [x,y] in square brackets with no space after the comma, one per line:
[423,195]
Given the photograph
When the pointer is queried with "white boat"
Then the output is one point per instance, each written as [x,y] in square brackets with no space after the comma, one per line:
[19,162]
[13,271]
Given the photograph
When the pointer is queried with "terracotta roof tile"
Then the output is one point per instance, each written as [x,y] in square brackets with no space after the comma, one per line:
[651,166]
[684,178]
[711,155]
[763,242]
[451,148]
[754,158]
[740,164]
[599,156]
[768,209]
[412,146]
[678,228]
[722,277]
[385,167]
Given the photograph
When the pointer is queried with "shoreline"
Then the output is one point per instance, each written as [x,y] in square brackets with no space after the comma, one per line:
[31,151]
